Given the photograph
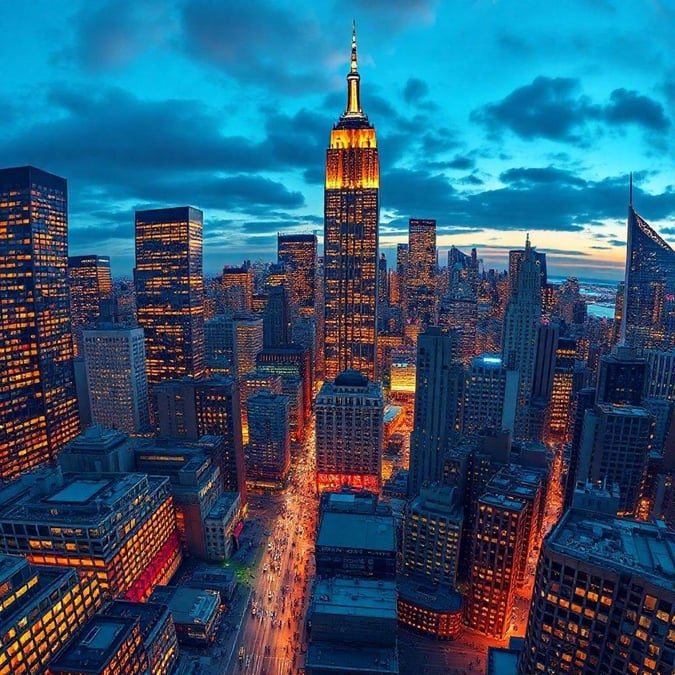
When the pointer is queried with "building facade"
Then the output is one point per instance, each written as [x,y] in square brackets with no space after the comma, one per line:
[170,291]
[299,253]
[43,607]
[90,288]
[268,458]
[437,389]
[38,405]
[75,523]
[519,340]
[603,599]
[114,358]
[349,428]
[421,292]
[649,295]
[351,216]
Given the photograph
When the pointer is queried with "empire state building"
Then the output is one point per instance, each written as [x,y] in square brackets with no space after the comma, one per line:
[351,214]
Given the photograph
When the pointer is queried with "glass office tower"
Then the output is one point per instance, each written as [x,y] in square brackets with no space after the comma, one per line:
[649,296]
[170,291]
[38,407]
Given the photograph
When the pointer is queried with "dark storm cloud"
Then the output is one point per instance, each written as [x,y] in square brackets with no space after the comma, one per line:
[536,198]
[548,107]
[113,33]
[461,163]
[112,130]
[630,107]
[555,108]
[257,43]
[524,177]
[414,90]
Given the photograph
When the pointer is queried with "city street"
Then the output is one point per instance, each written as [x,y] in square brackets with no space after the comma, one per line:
[271,639]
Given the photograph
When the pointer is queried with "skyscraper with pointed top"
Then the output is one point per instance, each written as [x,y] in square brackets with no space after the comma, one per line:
[648,317]
[519,341]
[351,215]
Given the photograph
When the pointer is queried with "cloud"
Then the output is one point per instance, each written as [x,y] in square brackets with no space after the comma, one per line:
[390,16]
[626,107]
[258,43]
[113,33]
[414,90]
[556,109]
[547,108]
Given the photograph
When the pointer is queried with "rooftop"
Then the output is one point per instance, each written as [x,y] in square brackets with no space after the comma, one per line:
[351,378]
[93,647]
[223,504]
[188,605]
[147,613]
[76,500]
[624,410]
[619,544]
[502,661]
[357,531]
[339,658]
[355,597]
[422,593]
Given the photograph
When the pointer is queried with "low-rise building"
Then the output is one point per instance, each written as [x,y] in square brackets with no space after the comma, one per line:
[356,544]
[41,609]
[157,630]
[194,611]
[222,527]
[353,627]
[120,527]
[429,609]
[106,645]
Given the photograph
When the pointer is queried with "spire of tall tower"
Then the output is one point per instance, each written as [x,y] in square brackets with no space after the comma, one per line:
[353,82]
[354,64]
[630,190]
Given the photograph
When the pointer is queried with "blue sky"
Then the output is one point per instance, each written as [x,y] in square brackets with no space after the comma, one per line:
[494,117]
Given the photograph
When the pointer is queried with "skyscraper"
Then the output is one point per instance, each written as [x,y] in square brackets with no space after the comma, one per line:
[437,391]
[299,253]
[421,294]
[521,323]
[247,343]
[38,407]
[277,318]
[649,294]
[170,291]
[235,293]
[269,448]
[90,287]
[193,408]
[489,397]
[615,443]
[114,357]
[351,215]
[349,427]
[603,598]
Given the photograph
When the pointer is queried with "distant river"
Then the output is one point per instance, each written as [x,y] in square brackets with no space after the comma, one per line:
[600,311]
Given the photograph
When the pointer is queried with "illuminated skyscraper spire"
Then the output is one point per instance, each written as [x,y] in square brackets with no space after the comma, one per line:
[351,216]
[353,83]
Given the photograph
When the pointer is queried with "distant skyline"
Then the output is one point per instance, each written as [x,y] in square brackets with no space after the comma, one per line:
[495,118]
